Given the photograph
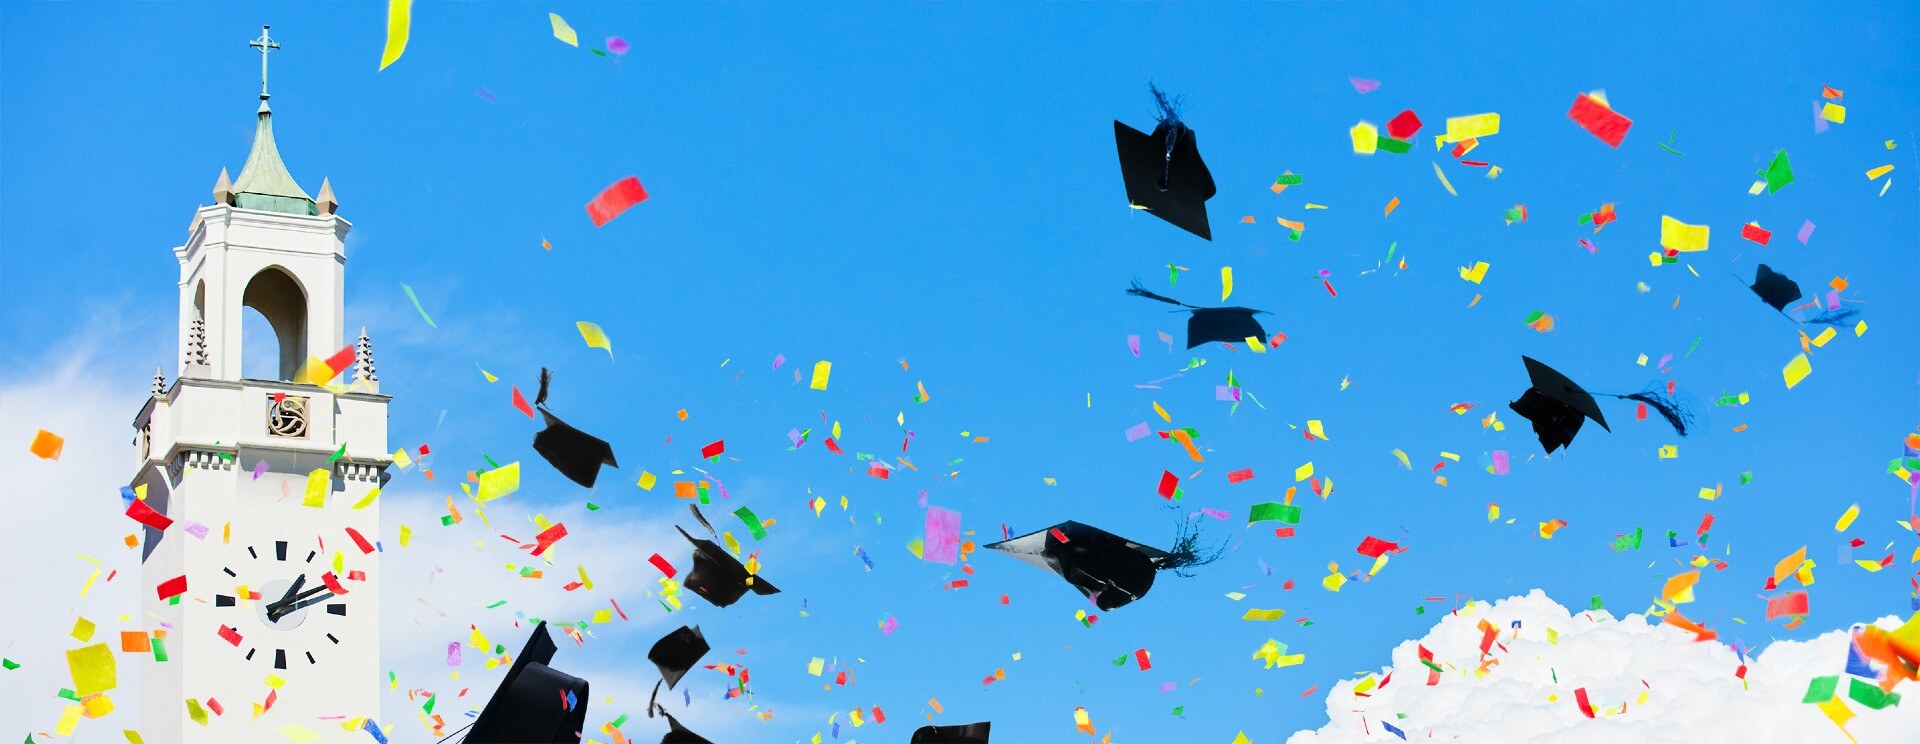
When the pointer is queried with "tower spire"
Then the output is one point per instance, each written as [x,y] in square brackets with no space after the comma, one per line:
[264,182]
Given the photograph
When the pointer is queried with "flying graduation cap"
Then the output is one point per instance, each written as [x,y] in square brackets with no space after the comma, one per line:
[677,652]
[536,703]
[1110,569]
[1163,170]
[965,733]
[719,577]
[575,453]
[676,733]
[1778,291]
[1208,324]
[1557,406]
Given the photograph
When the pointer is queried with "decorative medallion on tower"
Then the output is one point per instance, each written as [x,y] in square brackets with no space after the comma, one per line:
[287,416]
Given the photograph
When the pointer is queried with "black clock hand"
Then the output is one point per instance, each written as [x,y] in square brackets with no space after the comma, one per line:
[313,599]
[295,603]
[273,607]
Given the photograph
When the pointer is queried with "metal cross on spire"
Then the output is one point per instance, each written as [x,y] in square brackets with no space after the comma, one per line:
[266,45]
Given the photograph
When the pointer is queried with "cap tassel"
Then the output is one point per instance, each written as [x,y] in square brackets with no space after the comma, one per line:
[1169,118]
[1668,407]
[545,377]
[1186,552]
[1139,291]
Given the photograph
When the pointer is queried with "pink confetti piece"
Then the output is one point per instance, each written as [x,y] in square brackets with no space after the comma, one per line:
[943,535]
[1133,342]
[1138,432]
[453,654]
[1500,462]
[618,45]
[1363,85]
[1806,231]
[779,359]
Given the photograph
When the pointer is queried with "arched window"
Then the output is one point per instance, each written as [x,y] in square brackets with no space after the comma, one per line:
[282,303]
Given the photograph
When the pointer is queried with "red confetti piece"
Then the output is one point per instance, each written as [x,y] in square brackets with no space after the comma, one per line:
[548,537]
[360,541]
[619,197]
[713,450]
[1241,475]
[173,587]
[230,635]
[662,564]
[1580,695]
[833,446]
[520,403]
[333,584]
[1403,125]
[1791,603]
[1373,547]
[144,514]
[340,361]
[1169,483]
[1283,532]
[1755,234]
[1601,122]
[1142,656]
[1055,531]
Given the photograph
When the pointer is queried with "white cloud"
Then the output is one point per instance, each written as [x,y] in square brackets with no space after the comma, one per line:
[1691,692]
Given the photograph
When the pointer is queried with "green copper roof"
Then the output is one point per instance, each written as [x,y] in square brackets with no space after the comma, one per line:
[264,182]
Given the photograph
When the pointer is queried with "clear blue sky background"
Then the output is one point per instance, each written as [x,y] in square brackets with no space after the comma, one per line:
[936,183]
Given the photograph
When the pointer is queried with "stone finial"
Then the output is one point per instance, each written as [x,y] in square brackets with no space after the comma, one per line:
[326,202]
[364,373]
[197,346]
[223,189]
[159,383]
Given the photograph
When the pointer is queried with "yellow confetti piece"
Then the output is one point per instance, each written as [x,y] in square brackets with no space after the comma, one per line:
[562,31]
[1669,451]
[1263,615]
[1476,273]
[1314,428]
[1164,416]
[69,717]
[1303,472]
[399,19]
[1443,180]
[1878,172]
[499,482]
[1493,512]
[1682,237]
[595,338]
[1461,128]
[647,480]
[816,666]
[367,500]
[1796,370]
[821,371]
[1824,337]
[1401,455]
[1834,112]
[1860,329]
[82,630]
[319,483]
[1366,139]
[1846,519]
[1226,281]
[406,535]
[93,669]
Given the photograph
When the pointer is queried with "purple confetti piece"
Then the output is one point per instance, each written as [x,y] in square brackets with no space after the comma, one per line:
[259,468]
[1264,568]
[453,653]
[1663,361]
[793,435]
[1133,342]
[1363,85]
[1500,462]
[197,530]
[1591,248]
[1166,687]
[943,535]
[923,498]
[1833,299]
[487,95]
[1819,122]
[1138,432]
[618,45]
[890,626]
[779,359]
[1215,513]
[1806,231]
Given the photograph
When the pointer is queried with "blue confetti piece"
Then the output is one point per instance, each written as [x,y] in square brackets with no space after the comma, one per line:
[368,726]
[1395,731]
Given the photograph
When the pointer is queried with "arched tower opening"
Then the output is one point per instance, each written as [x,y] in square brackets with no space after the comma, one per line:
[279,298]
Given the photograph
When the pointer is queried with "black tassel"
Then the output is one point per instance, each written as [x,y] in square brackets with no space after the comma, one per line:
[1139,291]
[1835,317]
[545,377]
[1669,408]
[1187,553]
[703,520]
[1169,118]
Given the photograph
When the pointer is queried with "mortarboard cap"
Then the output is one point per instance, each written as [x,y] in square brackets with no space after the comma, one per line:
[965,733]
[1209,324]
[718,577]
[1163,170]
[1555,405]
[678,734]
[1774,287]
[1110,569]
[677,652]
[524,710]
[575,453]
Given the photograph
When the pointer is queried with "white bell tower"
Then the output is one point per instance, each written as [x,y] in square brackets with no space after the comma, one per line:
[264,479]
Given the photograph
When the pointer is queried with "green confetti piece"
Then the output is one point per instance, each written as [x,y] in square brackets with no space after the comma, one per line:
[1179,710]
[1821,689]
[1694,345]
[1294,236]
[1594,604]
[752,521]
[416,306]
[1779,173]
[1420,610]
[490,462]
[1585,219]
[1288,179]
[431,700]
[1389,144]
[1274,511]
[593,506]
[621,721]
[159,649]
[1746,477]
[1535,315]
[1122,661]
[1870,695]
[337,454]
[446,520]
[69,694]
[496,604]
[597,52]
[9,663]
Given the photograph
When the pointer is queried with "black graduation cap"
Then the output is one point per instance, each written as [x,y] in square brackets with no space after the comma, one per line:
[1556,406]
[677,652]
[966,733]
[676,733]
[1108,568]
[1774,288]
[575,453]
[530,705]
[1209,324]
[1163,170]
[718,577]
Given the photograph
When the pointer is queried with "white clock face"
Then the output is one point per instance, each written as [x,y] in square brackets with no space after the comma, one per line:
[293,615]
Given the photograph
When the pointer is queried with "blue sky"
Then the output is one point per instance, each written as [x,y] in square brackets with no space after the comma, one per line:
[936,183]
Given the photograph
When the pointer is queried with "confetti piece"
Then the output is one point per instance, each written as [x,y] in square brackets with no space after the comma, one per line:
[619,197]
[821,371]
[46,445]
[1846,519]
[1443,180]
[595,338]
[1876,173]
[1680,236]
[562,31]
[399,19]
[1226,282]
[1366,138]
[1599,120]
[1392,204]
[1363,85]
[1797,370]
[1462,128]
[1476,273]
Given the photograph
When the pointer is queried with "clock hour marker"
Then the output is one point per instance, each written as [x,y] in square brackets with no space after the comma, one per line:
[310,657]
[337,609]
[280,550]
[279,658]
[330,637]
[250,653]
[222,600]
[256,556]
[311,554]
[230,572]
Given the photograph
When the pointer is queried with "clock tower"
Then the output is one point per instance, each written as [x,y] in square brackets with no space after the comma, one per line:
[267,582]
